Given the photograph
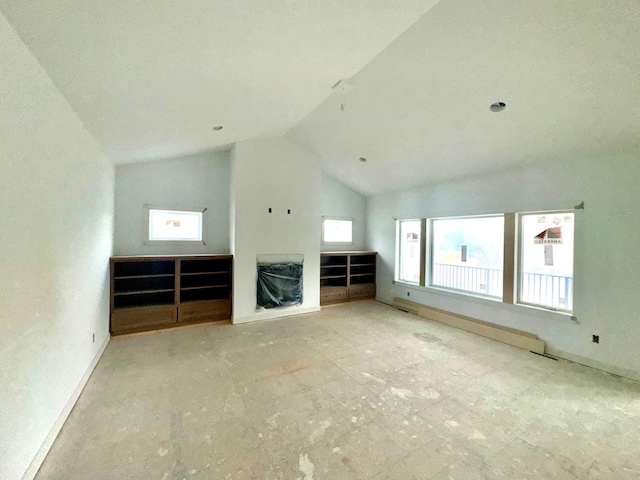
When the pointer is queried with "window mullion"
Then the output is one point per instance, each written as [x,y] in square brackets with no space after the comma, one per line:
[423,249]
[508,269]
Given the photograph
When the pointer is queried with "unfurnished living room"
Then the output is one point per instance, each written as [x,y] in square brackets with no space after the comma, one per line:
[336,239]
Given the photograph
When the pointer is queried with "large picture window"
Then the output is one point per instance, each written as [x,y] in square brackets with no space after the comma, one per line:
[467,254]
[545,276]
[409,251]
[516,258]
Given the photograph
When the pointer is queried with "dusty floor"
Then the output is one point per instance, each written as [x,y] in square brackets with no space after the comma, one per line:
[356,391]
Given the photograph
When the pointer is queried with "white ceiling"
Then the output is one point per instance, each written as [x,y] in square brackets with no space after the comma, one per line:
[569,72]
[151,78]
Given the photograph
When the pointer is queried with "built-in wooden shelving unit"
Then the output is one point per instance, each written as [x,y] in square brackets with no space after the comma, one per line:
[346,276]
[151,292]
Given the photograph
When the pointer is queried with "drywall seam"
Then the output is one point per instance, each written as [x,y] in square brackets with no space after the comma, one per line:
[605,367]
[37,461]
[272,315]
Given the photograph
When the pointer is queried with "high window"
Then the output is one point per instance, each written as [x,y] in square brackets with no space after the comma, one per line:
[546,260]
[337,230]
[467,254]
[409,251]
[174,225]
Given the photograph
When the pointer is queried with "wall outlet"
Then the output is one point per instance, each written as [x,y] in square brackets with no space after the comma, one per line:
[93,338]
[595,338]
[408,294]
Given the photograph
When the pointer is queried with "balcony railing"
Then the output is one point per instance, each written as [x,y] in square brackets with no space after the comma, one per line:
[553,291]
[485,281]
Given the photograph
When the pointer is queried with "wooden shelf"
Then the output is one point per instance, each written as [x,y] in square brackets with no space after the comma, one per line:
[143,292]
[130,277]
[203,287]
[334,266]
[332,276]
[362,265]
[361,274]
[204,273]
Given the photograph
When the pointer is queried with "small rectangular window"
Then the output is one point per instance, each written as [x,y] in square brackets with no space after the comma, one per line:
[337,230]
[409,251]
[174,225]
[546,260]
[467,254]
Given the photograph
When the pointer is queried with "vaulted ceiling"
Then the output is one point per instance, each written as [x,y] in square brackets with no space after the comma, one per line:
[151,79]
[568,71]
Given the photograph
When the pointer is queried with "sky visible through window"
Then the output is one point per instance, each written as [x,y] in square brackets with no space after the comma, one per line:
[169,225]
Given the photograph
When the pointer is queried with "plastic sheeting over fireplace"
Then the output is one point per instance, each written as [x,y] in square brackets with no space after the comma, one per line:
[279,280]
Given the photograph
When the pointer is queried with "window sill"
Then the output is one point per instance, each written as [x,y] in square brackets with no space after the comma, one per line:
[494,302]
[181,243]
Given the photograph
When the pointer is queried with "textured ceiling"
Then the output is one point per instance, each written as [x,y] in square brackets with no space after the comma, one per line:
[150,79]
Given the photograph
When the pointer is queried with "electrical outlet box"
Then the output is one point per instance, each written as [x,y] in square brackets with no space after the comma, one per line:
[595,339]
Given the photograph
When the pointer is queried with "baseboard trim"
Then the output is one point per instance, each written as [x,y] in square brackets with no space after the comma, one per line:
[37,461]
[510,336]
[598,365]
[275,315]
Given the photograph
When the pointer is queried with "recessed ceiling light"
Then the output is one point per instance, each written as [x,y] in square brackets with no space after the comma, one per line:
[217,127]
[362,159]
[498,106]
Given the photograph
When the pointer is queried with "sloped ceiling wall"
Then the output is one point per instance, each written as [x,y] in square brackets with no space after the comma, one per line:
[569,73]
[151,79]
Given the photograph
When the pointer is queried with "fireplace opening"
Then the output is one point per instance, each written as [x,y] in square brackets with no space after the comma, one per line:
[279,280]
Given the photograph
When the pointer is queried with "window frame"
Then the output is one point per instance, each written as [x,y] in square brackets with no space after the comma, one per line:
[147,208]
[430,256]
[512,263]
[350,219]
[421,250]
[519,261]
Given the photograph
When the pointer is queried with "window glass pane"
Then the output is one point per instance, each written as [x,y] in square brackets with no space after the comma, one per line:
[468,253]
[175,225]
[546,260]
[337,231]
[409,270]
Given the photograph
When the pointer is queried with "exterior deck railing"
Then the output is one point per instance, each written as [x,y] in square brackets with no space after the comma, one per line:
[553,291]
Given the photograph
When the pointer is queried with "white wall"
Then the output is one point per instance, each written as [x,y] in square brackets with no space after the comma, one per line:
[56,233]
[194,181]
[274,173]
[607,259]
[338,200]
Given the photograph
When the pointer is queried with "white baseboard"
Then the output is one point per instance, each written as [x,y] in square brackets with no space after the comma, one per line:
[554,352]
[510,336]
[275,313]
[598,365]
[36,463]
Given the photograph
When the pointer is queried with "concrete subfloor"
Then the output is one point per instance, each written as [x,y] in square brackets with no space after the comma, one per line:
[356,391]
